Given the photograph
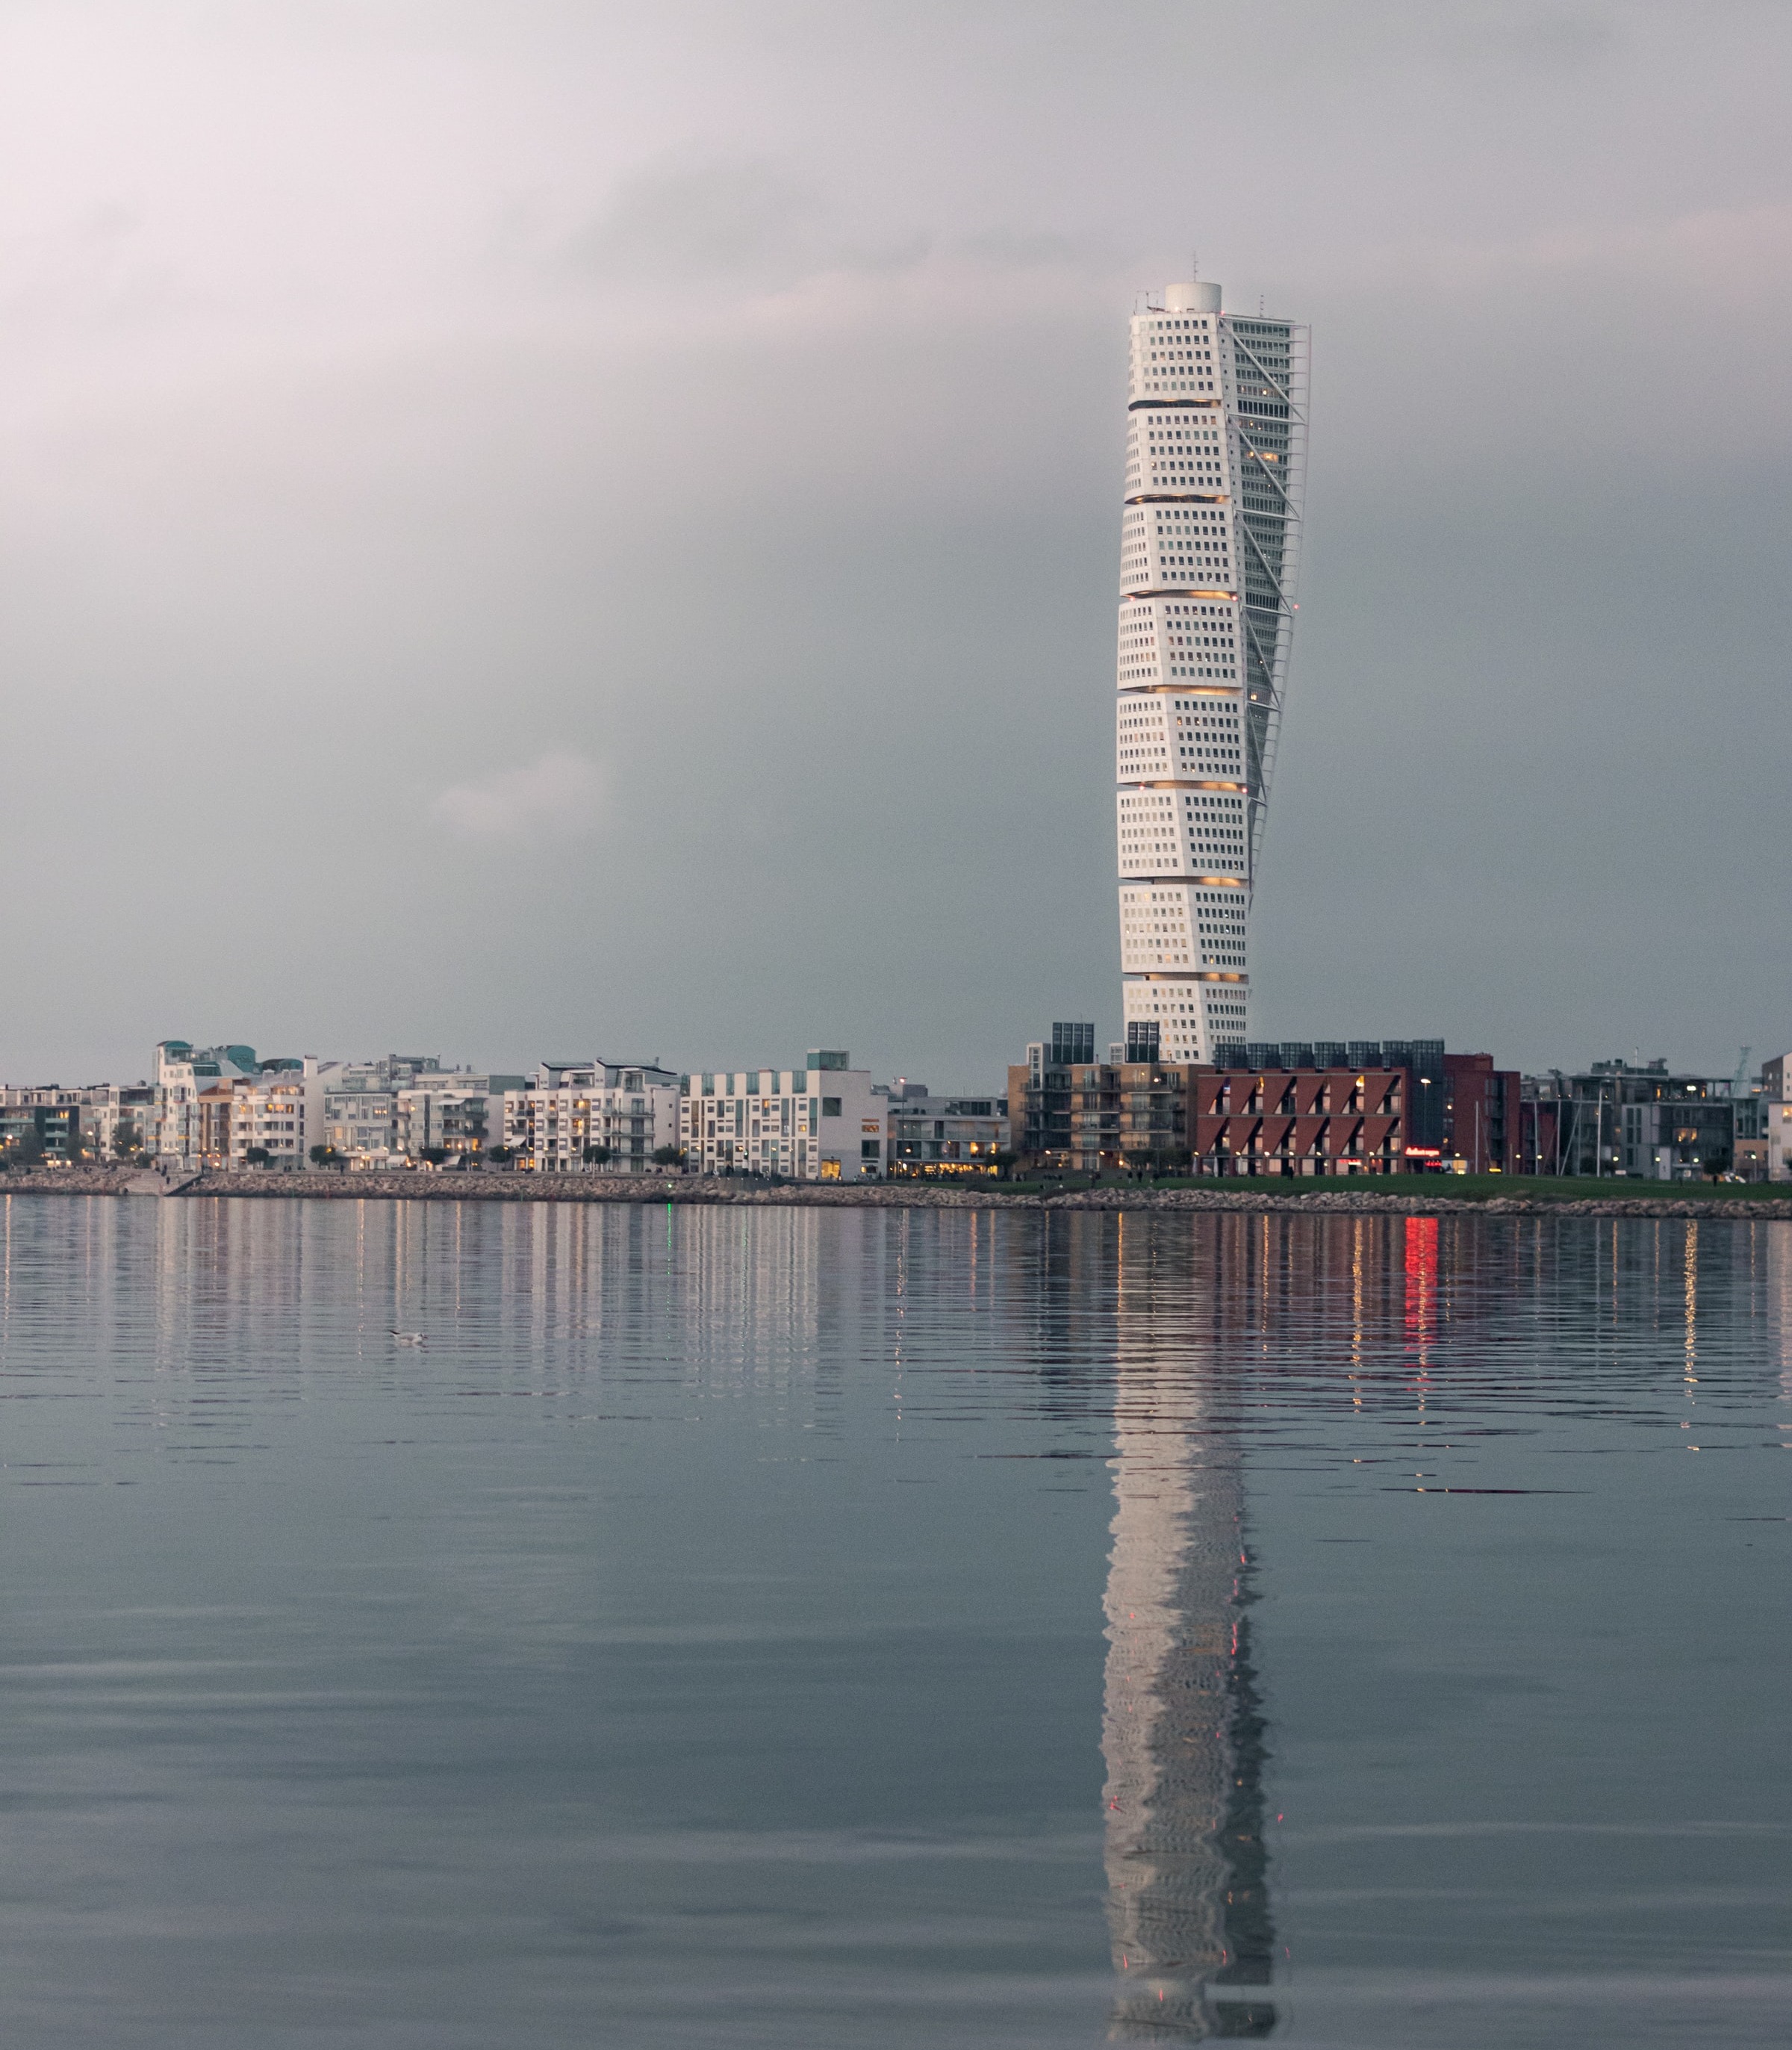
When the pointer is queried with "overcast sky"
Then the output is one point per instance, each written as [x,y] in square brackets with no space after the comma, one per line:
[535,529]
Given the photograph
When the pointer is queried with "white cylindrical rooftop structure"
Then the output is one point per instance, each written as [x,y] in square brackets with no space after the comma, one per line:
[1191,297]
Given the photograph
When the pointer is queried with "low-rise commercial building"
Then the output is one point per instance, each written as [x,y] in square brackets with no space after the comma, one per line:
[823,1121]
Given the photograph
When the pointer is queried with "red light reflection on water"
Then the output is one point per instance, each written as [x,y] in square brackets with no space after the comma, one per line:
[1421,1286]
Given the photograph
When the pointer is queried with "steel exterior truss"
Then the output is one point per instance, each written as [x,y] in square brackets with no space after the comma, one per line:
[1286,477]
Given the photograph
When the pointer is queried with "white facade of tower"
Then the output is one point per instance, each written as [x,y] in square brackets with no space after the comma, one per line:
[1215,460]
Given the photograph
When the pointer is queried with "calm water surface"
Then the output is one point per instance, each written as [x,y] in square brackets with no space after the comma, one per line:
[884,1629]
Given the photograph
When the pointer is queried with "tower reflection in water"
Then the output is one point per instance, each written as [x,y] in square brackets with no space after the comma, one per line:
[1181,1731]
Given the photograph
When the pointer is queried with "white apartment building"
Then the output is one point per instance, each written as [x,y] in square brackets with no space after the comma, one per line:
[103,1113]
[626,1110]
[361,1106]
[179,1072]
[1776,1119]
[1215,460]
[126,1108]
[1776,1115]
[280,1114]
[824,1121]
[456,1112]
[361,1125]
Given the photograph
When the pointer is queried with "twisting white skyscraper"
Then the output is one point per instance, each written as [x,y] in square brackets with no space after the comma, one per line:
[1215,456]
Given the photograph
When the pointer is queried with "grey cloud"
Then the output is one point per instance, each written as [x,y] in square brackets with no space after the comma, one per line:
[738,218]
[1541,38]
[558,796]
[741,224]
[1019,248]
[94,270]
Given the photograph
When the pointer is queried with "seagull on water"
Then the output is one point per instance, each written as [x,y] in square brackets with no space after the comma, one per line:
[408,1337]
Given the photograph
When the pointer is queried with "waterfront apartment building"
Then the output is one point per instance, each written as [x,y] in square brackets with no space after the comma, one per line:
[1621,1117]
[1481,1118]
[1068,1111]
[1064,1105]
[1174,1118]
[216,1103]
[941,1137]
[221,1105]
[1462,1113]
[179,1072]
[609,1114]
[824,1121]
[121,1118]
[47,1123]
[271,1118]
[1763,1119]
[1776,1135]
[275,1118]
[452,1113]
[1210,525]
[361,1106]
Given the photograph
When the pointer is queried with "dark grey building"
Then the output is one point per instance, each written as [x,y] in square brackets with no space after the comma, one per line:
[1620,1117]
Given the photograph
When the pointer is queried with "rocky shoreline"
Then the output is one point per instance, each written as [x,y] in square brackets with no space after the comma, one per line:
[419,1187]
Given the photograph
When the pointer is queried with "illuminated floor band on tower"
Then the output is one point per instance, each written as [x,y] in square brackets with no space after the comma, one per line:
[1216,451]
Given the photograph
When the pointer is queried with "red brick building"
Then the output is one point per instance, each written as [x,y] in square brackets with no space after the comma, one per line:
[1163,1118]
[1481,1117]
[1297,1121]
